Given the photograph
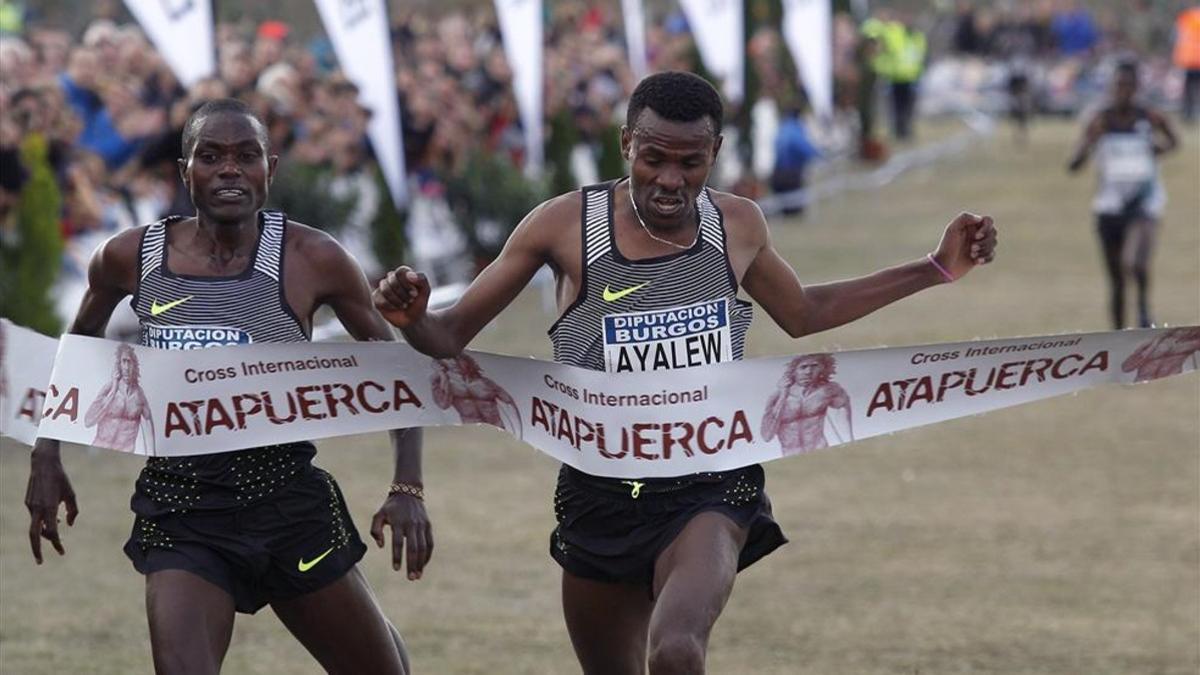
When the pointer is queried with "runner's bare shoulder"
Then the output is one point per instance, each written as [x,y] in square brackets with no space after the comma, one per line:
[550,233]
[744,221]
[115,262]
[315,248]
[553,218]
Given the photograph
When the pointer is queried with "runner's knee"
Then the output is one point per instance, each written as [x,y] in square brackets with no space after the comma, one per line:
[175,652]
[676,652]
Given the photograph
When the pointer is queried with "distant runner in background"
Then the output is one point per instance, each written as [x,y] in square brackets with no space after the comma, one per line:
[1127,138]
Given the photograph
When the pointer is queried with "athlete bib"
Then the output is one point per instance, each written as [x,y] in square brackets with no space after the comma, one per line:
[668,339]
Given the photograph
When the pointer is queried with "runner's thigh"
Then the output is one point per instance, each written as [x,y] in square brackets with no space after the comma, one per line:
[607,623]
[694,576]
[191,622]
[342,626]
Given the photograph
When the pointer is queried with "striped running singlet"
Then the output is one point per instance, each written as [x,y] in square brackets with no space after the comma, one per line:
[177,311]
[1127,179]
[675,311]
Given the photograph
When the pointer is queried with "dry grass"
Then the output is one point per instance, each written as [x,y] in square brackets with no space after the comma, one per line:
[1060,537]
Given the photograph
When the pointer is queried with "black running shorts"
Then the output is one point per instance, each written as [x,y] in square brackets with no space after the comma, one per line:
[606,533]
[292,542]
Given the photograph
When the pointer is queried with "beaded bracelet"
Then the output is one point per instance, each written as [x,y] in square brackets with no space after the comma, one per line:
[410,489]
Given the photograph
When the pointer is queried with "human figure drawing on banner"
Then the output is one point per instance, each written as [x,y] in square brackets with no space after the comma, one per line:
[809,411]
[121,409]
[1164,355]
[459,382]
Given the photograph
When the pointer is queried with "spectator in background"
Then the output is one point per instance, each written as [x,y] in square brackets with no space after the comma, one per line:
[1075,30]
[866,55]
[793,152]
[12,173]
[1187,59]
[967,39]
[900,59]
[114,120]
[270,44]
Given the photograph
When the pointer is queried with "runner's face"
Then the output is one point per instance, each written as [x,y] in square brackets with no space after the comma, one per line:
[670,162]
[228,171]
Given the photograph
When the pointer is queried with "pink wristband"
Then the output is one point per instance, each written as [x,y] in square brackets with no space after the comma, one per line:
[945,272]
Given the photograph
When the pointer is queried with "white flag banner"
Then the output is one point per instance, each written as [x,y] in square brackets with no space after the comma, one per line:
[635,36]
[358,30]
[808,32]
[628,425]
[717,27]
[182,31]
[521,31]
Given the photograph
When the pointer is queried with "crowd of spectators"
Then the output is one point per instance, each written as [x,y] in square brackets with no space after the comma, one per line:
[110,112]
[1062,50]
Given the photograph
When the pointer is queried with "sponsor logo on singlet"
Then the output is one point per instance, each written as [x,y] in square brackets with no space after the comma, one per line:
[193,337]
[666,339]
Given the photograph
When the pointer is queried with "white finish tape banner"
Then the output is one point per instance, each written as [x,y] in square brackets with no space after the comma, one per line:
[26,360]
[710,418]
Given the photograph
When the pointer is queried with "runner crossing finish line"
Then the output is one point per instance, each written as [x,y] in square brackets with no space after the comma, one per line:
[711,418]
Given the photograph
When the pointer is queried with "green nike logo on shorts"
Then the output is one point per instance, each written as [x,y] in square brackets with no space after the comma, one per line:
[305,566]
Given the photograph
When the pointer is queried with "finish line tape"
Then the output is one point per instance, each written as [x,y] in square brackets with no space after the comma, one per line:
[711,418]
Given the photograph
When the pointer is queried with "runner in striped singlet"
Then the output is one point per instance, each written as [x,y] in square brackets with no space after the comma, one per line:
[648,565]
[1127,138]
[234,531]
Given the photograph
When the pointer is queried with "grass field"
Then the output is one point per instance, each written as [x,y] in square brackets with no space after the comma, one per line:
[1061,537]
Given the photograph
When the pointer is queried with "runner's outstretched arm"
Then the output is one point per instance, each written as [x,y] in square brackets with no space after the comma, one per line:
[402,296]
[1091,136]
[349,295]
[968,240]
[1162,125]
[111,275]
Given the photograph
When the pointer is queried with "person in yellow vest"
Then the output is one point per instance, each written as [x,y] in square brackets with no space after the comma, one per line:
[900,60]
[866,53]
[1187,58]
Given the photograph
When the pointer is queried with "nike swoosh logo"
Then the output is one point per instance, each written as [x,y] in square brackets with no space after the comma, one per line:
[610,296]
[156,309]
[305,566]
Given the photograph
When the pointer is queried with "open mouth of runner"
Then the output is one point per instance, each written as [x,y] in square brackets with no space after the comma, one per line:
[664,206]
[230,195]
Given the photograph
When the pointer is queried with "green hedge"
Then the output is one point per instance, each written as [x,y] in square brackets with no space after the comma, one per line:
[32,255]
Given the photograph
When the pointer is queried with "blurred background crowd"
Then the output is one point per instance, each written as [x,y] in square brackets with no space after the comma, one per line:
[91,116]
